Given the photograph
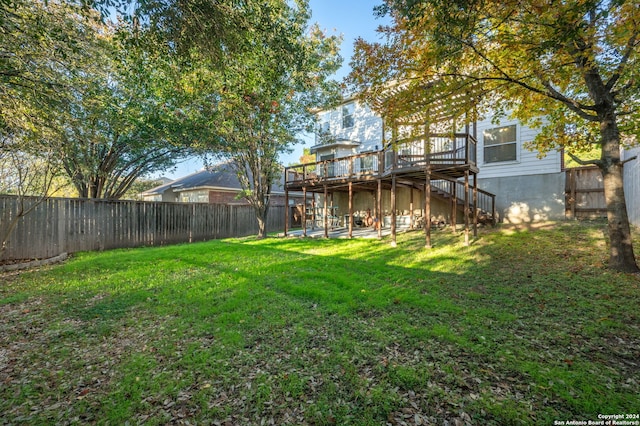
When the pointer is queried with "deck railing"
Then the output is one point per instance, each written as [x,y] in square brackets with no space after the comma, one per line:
[486,201]
[437,150]
[353,166]
[456,149]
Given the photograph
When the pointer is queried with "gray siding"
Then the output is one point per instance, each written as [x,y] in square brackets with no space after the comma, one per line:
[524,199]
[632,185]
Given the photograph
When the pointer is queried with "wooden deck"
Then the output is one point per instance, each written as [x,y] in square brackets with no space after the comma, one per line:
[434,164]
[441,156]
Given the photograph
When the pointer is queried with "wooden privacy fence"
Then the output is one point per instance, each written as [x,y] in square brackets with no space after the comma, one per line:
[584,193]
[63,225]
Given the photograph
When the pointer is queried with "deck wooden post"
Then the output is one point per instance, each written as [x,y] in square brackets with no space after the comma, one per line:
[380,215]
[350,210]
[330,216]
[393,211]
[325,218]
[304,211]
[427,187]
[394,147]
[286,211]
[475,205]
[467,142]
[411,207]
[466,207]
[454,205]
[427,209]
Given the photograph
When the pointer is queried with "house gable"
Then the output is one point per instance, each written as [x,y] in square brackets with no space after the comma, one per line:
[216,185]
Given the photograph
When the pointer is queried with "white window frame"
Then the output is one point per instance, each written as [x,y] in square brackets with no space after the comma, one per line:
[194,197]
[513,142]
[348,112]
[324,122]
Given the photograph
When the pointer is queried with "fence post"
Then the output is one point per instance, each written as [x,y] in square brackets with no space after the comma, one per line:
[232,221]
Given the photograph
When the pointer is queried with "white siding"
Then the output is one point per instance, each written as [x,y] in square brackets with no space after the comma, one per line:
[337,151]
[632,185]
[367,128]
[526,163]
[153,197]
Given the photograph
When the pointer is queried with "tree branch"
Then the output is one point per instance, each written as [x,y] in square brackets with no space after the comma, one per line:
[574,106]
[550,92]
[630,48]
[584,162]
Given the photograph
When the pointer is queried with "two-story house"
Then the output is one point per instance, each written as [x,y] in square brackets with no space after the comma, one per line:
[366,165]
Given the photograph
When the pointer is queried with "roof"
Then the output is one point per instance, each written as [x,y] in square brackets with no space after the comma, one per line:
[340,142]
[220,177]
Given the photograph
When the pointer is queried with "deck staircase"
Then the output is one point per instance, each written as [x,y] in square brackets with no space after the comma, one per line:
[447,190]
[443,159]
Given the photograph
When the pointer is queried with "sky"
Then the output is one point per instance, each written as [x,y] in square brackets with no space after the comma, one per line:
[349,18]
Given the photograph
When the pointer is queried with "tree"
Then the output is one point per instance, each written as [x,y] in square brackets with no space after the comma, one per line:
[570,68]
[307,157]
[261,99]
[104,95]
[39,45]
[126,117]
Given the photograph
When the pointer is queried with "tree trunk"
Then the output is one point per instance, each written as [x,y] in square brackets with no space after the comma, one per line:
[621,256]
[261,216]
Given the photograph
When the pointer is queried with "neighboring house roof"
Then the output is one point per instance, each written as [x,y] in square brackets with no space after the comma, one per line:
[220,177]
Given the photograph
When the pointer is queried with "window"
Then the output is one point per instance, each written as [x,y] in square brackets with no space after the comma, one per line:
[347,115]
[194,197]
[366,163]
[323,129]
[324,125]
[500,144]
[329,165]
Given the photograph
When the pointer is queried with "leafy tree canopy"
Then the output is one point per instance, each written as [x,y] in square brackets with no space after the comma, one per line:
[262,98]
[568,67]
[111,106]
[511,58]
[127,117]
[39,47]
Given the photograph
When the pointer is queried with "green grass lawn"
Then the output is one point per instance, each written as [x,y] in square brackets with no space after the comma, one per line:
[522,327]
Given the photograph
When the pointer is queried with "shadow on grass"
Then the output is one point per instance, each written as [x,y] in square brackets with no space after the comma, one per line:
[522,326]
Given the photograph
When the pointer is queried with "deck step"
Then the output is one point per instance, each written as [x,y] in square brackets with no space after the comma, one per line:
[483,215]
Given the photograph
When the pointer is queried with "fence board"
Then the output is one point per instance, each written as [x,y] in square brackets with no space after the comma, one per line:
[584,193]
[60,225]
